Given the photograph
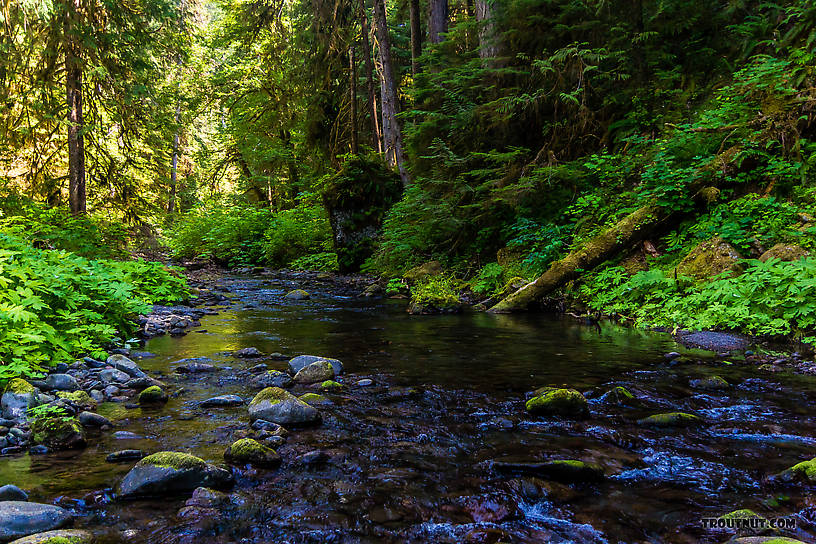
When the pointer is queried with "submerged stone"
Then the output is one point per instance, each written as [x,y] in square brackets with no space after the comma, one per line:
[19,519]
[558,402]
[249,452]
[671,419]
[169,473]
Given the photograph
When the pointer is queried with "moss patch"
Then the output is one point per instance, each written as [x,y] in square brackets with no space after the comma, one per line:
[329,385]
[313,398]
[249,451]
[272,395]
[173,459]
[558,402]
[671,419]
[19,386]
[247,447]
[82,398]
[804,471]
[57,432]
[152,395]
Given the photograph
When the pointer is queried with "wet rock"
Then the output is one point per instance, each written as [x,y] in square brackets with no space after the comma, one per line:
[618,395]
[550,401]
[562,470]
[11,492]
[365,382]
[249,452]
[318,371]
[80,398]
[18,397]
[279,406]
[745,521]
[61,382]
[269,427]
[90,419]
[709,383]
[315,457]
[671,419]
[486,535]
[19,519]
[297,294]
[129,367]
[141,383]
[272,441]
[331,385]
[125,455]
[126,435]
[223,400]
[492,508]
[804,472]
[195,366]
[58,433]
[153,395]
[111,391]
[314,399]
[168,473]
[296,364]
[248,353]
[112,375]
[69,536]
[204,497]
[272,378]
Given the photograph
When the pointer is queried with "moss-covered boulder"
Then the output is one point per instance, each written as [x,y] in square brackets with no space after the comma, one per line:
[249,452]
[618,396]
[319,371]
[80,398]
[296,364]
[745,522]
[785,252]
[169,473]
[18,397]
[331,385]
[804,472]
[709,259]
[671,419]
[314,399]
[279,406]
[297,294]
[66,536]
[58,433]
[435,295]
[549,401]
[710,383]
[153,395]
[423,272]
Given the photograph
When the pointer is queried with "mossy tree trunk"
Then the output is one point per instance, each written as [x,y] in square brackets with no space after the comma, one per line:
[628,231]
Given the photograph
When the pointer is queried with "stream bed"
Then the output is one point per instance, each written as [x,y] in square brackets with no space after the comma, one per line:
[410,458]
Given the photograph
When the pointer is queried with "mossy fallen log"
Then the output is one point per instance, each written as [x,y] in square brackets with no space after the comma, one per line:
[630,230]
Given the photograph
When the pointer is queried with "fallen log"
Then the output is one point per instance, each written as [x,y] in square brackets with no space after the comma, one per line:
[627,232]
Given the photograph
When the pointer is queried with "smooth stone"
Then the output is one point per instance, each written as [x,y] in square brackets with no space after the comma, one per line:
[223,400]
[170,473]
[112,375]
[129,367]
[248,353]
[319,371]
[11,492]
[196,367]
[247,451]
[365,382]
[125,455]
[271,378]
[279,406]
[19,519]
[91,419]
[549,401]
[61,382]
[296,364]
[68,536]
[671,419]
[297,294]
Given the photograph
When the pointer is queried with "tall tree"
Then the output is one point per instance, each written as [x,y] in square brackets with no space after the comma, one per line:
[437,20]
[416,36]
[376,137]
[76,121]
[489,45]
[392,134]
[353,99]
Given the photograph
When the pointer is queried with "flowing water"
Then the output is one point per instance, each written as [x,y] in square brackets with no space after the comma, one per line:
[409,459]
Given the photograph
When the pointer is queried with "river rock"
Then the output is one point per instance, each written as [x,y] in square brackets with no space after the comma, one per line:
[69,536]
[153,395]
[10,492]
[709,383]
[562,470]
[279,406]
[61,382]
[19,519]
[91,419]
[550,401]
[128,366]
[272,378]
[671,419]
[58,433]
[169,473]
[314,399]
[79,398]
[248,353]
[319,371]
[18,397]
[296,364]
[223,400]
[804,472]
[112,375]
[125,455]
[249,452]
[195,366]
[297,294]
[618,395]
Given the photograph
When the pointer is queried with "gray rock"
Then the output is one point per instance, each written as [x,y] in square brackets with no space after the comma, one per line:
[19,519]
[61,382]
[111,391]
[279,406]
[319,371]
[112,375]
[125,455]
[129,367]
[10,492]
[365,382]
[195,365]
[170,473]
[223,400]
[74,536]
[298,363]
[273,378]
[15,405]
[126,435]
[97,395]
[248,353]
[90,419]
[297,294]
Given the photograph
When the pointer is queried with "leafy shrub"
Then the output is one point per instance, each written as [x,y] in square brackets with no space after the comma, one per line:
[55,305]
[488,280]
[439,291]
[325,262]
[294,233]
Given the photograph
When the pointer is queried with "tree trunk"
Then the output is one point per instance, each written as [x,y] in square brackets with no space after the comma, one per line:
[355,148]
[76,122]
[416,36]
[488,41]
[437,20]
[630,230]
[392,135]
[376,138]
[171,204]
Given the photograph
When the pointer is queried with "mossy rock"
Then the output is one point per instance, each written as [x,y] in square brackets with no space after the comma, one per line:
[331,385]
[745,513]
[558,402]
[618,395]
[314,398]
[785,252]
[80,398]
[58,433]
[173,459]
[153,395]
[279,406]
[297,294]
[804,472]
[19,386]
[423,271]
[710,383]
[169,473]
[671,419]
[273,395]
[250,452]
[710,258]
[571,471]
[70,536]
[765,540]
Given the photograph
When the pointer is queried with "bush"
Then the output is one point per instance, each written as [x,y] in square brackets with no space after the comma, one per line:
[296,233]
[438,291]
[55,305]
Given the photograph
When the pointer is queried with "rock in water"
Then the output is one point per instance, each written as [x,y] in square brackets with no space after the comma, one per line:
[58,433]
[249,452]
[169,473]
[153,395]
[279,406]
[709,383]
[91,419]
[558,402]
[123,364]
[319,371]
[297,294]
[671,419]
[10,492]
[19,519]
[18,397]
[61,382]
[272,378]
[248,353]
[69,536]
[223,400]
[298,363]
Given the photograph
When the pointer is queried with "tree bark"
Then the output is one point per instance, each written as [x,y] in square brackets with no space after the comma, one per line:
[392,136]
[630,230]
[76,121]
[376,138]
[355,148]
[171,203]
[416,36]
[437,20]
[489,46]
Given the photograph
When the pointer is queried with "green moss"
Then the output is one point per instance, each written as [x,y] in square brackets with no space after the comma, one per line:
[671,419]
[272,395]
[80,397]
[46,430]
[172,459]
[331,384]
[313,398]
[806,470]
[152,394]
[19,386]
[247,447]
[743,513]
[558,402]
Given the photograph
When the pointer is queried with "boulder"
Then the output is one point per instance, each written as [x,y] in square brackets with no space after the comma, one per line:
[248,353]
[80,398]
[169,473]
[61,382]
[112,375]
[19,519]
[709,259]
[423,271]
[18,397]
[223,400]
[58,433]
[804,472]
[319,371]
[272,378]
[91,419]
[671,419]
[249,452]
[68,536]
[550,401]
[10,492]
[129,367]
[279,406]
[153,395]
[785,252]
[297,294]
[296,364]
[617,396]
